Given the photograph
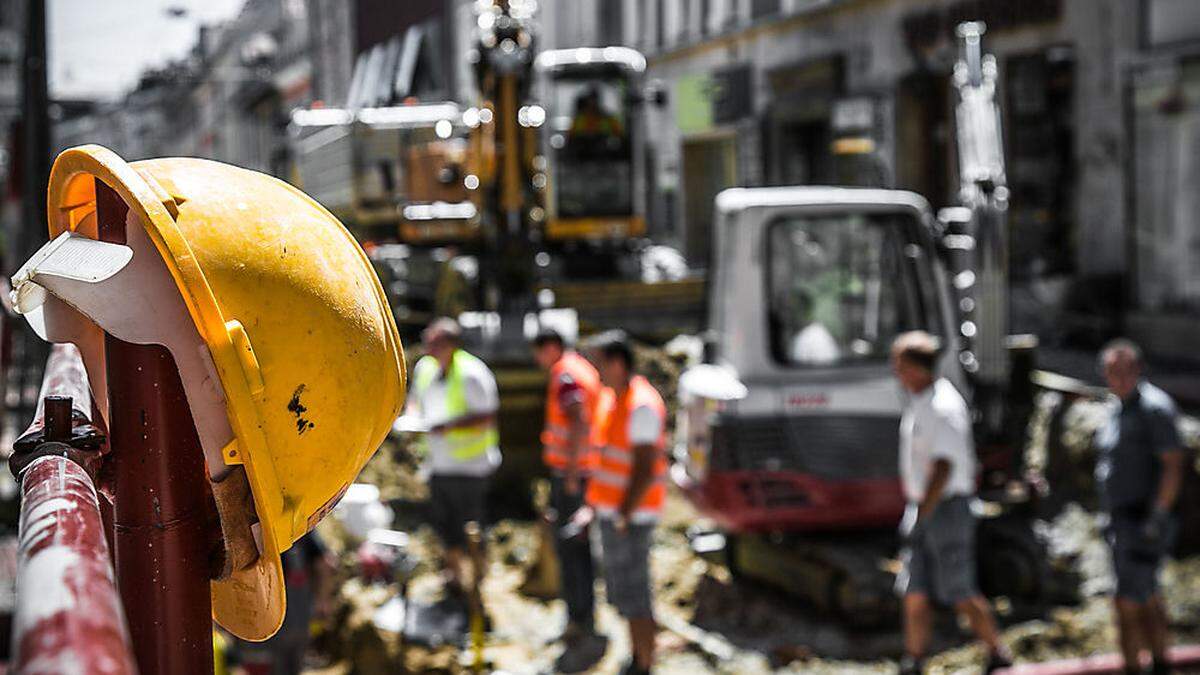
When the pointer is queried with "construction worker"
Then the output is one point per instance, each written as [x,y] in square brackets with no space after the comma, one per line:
[308,568]
[626,491]
[455,394]
[1139,472]
[225,653]
[571,397]
[937,472]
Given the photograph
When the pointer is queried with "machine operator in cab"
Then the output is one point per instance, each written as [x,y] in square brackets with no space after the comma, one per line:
[592,121]
[572,394]
[937,472]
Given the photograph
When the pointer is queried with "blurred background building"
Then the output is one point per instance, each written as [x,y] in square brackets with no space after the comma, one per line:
[1101,100]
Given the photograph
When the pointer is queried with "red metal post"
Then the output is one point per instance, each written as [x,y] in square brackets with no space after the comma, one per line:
[161,504]
[68,615]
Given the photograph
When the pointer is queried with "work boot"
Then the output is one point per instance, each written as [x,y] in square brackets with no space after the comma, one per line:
[582,653]
[1160,667]
[575,631]
[911,665]
[572,632]
[998,660]
[631,668]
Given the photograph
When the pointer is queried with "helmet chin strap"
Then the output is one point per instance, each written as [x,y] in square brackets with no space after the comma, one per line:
[75,288]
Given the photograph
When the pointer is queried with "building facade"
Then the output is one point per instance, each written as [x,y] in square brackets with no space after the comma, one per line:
[1101,110]
[1100,102]
[229,99]
[378,52]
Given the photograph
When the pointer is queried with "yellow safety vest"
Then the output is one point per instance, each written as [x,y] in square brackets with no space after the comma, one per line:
[465,444]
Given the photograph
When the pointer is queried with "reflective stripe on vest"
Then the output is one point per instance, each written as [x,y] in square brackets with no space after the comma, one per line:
[610,479]
[556,433]
[464,444]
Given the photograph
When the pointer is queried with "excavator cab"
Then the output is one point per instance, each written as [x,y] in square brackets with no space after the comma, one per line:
[591,129]
[809,289]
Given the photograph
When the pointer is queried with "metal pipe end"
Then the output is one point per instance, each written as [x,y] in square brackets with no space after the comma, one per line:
[58,420]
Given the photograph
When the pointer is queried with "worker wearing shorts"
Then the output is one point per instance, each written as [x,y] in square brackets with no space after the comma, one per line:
[1139,470]
[939,560]
[937,472]
[455,394]
[627,567]
[1136,561]
[627,490]
[454,501]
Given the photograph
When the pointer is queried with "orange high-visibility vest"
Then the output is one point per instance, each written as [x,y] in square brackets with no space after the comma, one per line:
[556,434]
[610,478]
[605,400]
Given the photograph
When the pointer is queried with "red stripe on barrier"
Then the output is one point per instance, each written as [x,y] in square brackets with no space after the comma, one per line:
[68,616]
[1107,664]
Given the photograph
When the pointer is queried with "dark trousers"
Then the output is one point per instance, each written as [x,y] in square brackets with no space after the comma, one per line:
[574,555]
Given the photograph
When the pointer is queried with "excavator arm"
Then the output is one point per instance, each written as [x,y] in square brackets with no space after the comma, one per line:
[983,194]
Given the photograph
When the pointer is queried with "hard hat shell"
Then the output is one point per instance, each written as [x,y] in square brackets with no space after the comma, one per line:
[300,333]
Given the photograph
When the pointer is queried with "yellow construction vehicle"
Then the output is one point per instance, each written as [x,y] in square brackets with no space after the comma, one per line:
[523,199]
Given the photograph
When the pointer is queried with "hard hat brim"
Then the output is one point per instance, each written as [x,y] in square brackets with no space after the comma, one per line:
[251,602]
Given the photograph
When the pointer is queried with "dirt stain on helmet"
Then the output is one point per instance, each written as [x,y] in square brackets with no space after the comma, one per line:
[297,408]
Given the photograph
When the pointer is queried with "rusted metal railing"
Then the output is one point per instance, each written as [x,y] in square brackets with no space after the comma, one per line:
[69,615]
[161,503]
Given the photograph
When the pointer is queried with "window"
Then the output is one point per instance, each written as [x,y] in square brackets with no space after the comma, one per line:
[612,22]
[660,23]
[1167,22]
[764,8]
[593,159]
[1165,177]
[842,286]
[683,23]
[1041,162]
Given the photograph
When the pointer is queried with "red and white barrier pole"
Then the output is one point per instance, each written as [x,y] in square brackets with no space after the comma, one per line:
[68,615]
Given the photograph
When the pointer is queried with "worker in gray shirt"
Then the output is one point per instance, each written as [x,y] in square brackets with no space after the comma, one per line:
[1139,472]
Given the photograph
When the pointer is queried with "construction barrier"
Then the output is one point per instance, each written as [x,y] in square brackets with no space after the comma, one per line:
[146,606]
[68,616]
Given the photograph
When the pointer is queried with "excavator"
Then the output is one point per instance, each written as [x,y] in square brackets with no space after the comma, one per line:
[523,200]
[788,435]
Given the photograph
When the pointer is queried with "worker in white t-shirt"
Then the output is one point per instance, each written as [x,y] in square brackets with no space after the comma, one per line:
[937,473]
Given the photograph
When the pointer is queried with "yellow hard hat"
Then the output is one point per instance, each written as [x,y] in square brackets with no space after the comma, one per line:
[301,338]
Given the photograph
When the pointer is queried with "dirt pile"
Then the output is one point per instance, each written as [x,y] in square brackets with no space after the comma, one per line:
[714,623]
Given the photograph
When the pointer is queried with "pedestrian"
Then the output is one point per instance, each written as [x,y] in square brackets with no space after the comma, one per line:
[455,394]
[1139,472]
[626,491]
[937,473]
[571,397]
